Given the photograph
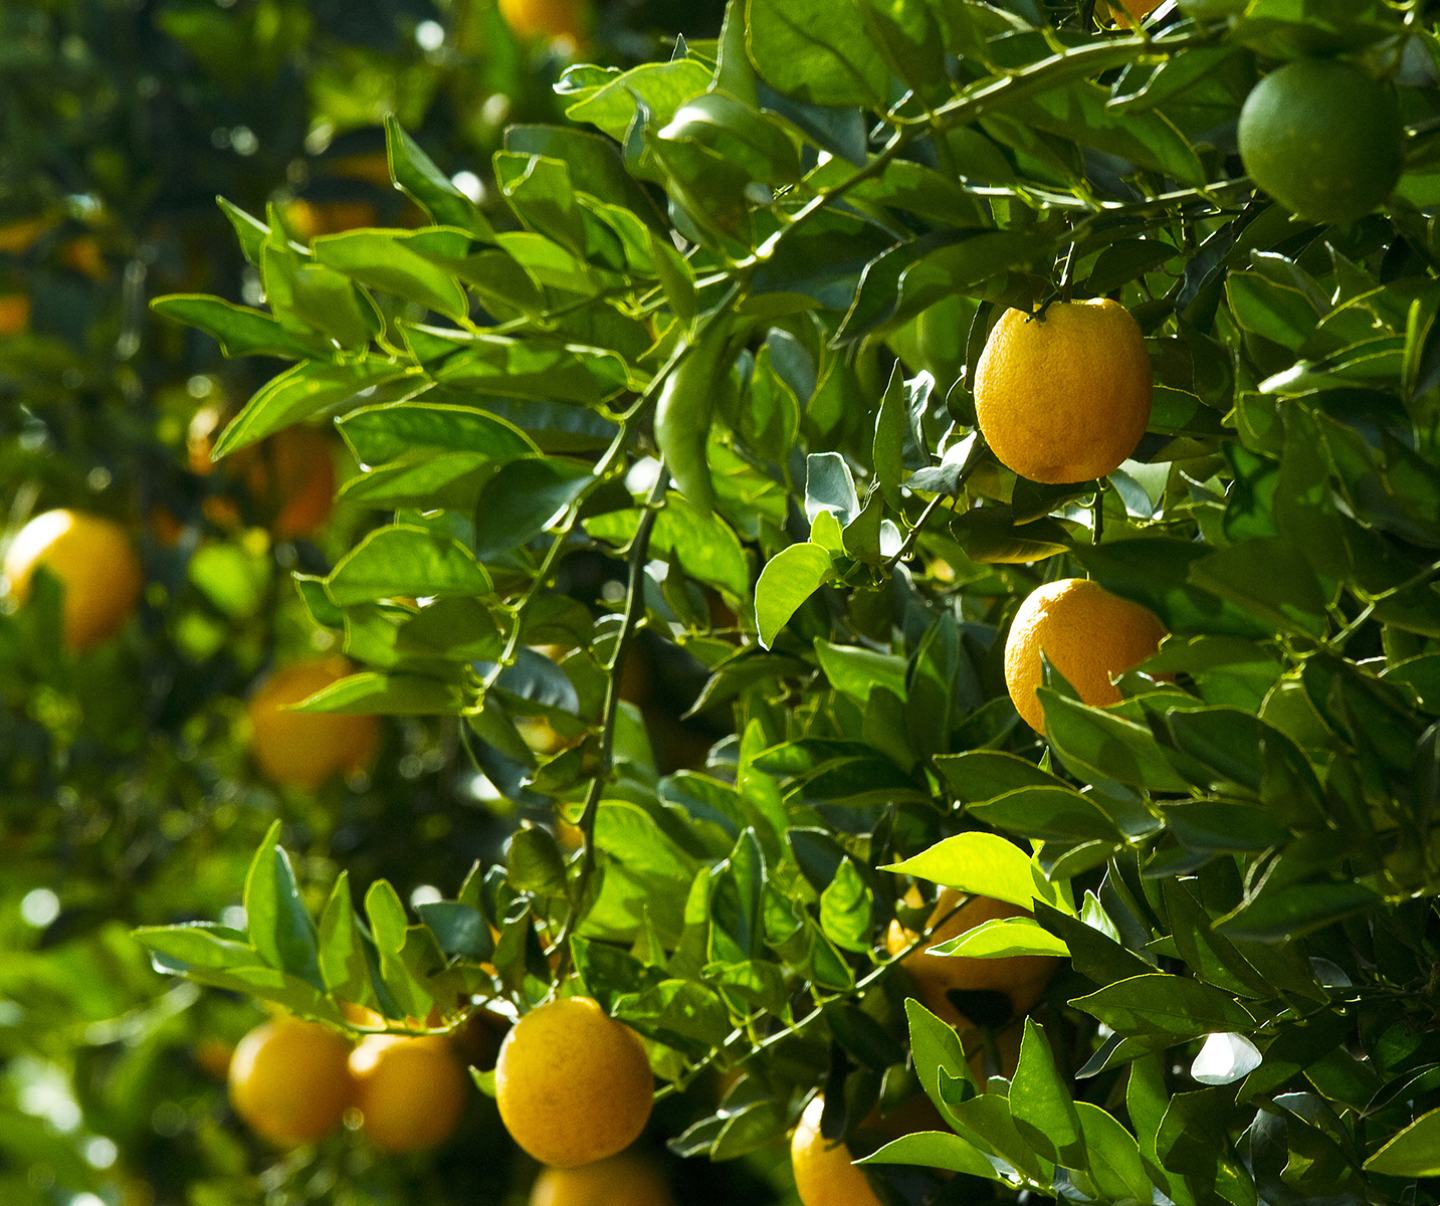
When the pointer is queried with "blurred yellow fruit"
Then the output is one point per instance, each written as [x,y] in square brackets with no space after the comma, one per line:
[824,1174]
[1064,396]
[292,478]
[83,255]
[573,1085]
[1129,12]
[1022,979]
[214,1056]
[290,1081]
[1087,634]
[628,1179]
[305,749]
[410,1091]
[546,18]
[309,219]
[14,313]
[18,237]
[96,563]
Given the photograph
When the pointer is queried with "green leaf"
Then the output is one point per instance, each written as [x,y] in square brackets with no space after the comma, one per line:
[705,545]
[1048,814]
[983,864]
[387,260]
[935,1149]
[427,185]
[181,948]
[343,966]
[1114,1156]
[856,672]
[661,87]
[372,694]
[276,919]
[1040,1102]
[1168,1005]
[817,52]
[403,561]
[1413,1152]
[846,905]
[239,330]
[788,579]
[525,498]
[1003,938]
[379,435]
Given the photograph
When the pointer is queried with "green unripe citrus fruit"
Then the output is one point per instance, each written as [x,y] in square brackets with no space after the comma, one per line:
[1323,138]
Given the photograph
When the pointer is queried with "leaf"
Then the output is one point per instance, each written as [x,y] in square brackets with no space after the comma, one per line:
[705,545]
[1048,814]
[817,52]
[1003,938]
[378,435]
[427,185]
[403,561]
[983,864]
[856,672]
[239,330]
[276,919]
[301,392]
[1161,1004]
[787,581]
[343,966]
[1040,1101]
[1224,1059]
[373,694]
[1114,1156]
[181,948]
[846,905]
[525,498]
[1412,1152]
[935,1149]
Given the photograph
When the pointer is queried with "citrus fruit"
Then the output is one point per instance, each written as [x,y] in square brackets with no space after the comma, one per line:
[292,477]
[1129,12]
[1021,979]
[545,18]
[304,749]
[290,1081]
[824,1174]
[1323,138]
[14,313]
[95,562]
[1064,395]
[630,1179]
[573,1085]
[308,219]
[1087,634]
[410,1091]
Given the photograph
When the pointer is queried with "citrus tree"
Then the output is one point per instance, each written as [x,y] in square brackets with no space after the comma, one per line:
[1012,429]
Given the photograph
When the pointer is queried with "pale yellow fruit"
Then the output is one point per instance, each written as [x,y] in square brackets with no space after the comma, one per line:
[1087,634]
[1064,396]
[546,18]
[573,1085]
[94,560]
[824,1174]
[410,1091]
[290,1081]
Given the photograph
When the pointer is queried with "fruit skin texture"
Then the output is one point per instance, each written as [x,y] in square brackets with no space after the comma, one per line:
[632,1180]
[573,1085]
[290,1081]
[1022,978]
[410,1091]
[95,561]
[1323,138]
[1086,633]
[545,18]
[305,749]
[824,1175]
[1064,396]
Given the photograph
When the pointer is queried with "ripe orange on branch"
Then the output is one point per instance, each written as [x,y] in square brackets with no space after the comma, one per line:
[305,749]
[573,1085]
[824,1172]
[1087,634]
[290,1081]
[1064,395]
[626,1178]
[95,561]
[546,18]
[410,1091]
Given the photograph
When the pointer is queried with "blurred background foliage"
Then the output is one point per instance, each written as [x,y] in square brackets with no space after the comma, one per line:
[128,796]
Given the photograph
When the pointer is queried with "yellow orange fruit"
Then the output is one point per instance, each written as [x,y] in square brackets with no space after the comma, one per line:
[14,313]
[546,18]
[1064,396]
[824,1174]
[292,478]
[1129,12]
[628,1179]
[94,560]
[305,749]
[18,237]
[1087,634]
[290,1081]
[308,219]
[573,1085]
[82,254]
[410,1091]
[1022,978]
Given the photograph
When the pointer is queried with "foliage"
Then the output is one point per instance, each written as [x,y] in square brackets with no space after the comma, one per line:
[701,392]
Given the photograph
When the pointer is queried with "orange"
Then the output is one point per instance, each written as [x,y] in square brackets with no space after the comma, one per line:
[628,1179]
[410,1091]
[311,218]
[292,477]
[290,1081]
[824,1174]
[1130,12]
[1087,634]
[546,18]
[16,238]
[95,562]
[83,255]
[573,1085]
[14,313]
[305,749]
[1022,978]
[1064,396]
